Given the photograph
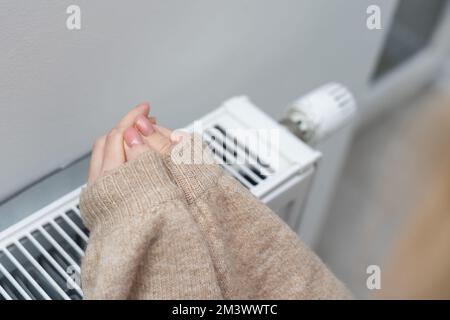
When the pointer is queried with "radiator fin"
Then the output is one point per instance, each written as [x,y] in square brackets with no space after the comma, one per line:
[236,158]
[40,257]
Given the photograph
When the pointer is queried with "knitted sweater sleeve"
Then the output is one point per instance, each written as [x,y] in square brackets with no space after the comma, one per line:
[255,254]
[144,244]
[162,228]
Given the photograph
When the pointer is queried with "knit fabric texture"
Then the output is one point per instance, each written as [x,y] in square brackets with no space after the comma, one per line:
[166,229]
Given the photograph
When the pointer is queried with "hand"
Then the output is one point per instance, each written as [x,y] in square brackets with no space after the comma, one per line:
[133,135]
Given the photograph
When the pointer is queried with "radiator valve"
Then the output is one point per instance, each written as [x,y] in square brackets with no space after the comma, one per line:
[320,113]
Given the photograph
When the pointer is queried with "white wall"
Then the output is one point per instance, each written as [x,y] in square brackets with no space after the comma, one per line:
[59,89]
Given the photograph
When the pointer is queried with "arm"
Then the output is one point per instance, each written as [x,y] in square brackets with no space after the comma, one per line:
[143,241]
[255,254]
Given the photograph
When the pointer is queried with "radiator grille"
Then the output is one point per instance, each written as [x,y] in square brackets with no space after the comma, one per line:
[227,149]
[40,257]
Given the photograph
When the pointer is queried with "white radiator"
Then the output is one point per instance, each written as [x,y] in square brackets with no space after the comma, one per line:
[40,256]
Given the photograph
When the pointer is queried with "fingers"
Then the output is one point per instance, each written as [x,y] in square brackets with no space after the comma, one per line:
[107,154]
[145,127]
[174,136]
[152,120]
[153,138]
[178,136]
[95,165]
[134,144]
[164,131]
[133,135]
[114,154]
[108,151]
[128,120]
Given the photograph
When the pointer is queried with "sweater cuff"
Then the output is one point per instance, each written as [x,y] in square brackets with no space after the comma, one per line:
[133,189]
[192,167]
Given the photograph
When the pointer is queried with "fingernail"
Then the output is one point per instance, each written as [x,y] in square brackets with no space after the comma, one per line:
[132,137]
[152,120]
[176,138]
[144,125]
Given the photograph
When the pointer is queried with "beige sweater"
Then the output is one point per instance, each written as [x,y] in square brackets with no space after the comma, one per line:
[161,230]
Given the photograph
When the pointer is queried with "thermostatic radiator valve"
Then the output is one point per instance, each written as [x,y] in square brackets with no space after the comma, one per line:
[320,113]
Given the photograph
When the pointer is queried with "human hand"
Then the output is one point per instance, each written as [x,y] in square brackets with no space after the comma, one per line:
[135,134]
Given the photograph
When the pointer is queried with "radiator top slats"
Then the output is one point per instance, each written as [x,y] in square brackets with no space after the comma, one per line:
[40,257]
[237,159]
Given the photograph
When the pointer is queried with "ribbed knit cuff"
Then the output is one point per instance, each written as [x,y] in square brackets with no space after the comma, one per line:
[132,189]
[192,167]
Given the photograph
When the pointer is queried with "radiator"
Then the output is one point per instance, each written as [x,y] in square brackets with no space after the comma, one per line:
[40,256]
